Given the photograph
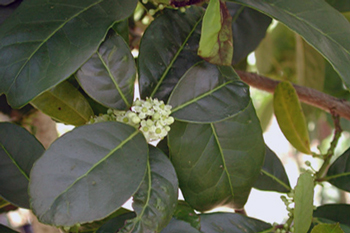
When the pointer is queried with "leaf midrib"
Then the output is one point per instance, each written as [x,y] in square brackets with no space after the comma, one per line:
[48,37]
[276,179]
[14,161]
[92,168]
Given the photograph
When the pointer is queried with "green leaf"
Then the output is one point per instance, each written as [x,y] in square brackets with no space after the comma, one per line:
[7,10]
[18,151]
[340,5]
[217,164]
[176,226]
[5,229]
[156,199]
[231,222]
[171,40]
[335,212]
[216,43]
[65,104]
[185,213]
[114,224]
[327,228]
[290,117]
[303,198]
[273,176]
[109,75]
[339,172]
[249,28]
[208,93]
[43,43]
[307,19]
[6,2]
[345,228]
[88,173]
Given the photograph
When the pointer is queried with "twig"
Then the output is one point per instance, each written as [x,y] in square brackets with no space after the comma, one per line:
[307,95]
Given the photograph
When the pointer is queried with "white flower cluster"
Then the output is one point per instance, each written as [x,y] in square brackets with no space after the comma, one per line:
[150,116]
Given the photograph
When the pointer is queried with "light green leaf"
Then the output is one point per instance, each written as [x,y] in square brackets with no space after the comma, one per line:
[327,228]
[43,43]
[65,104]
[330,37]
[208,93]
[109,75]
[19,149]
[290,117]
[88,173]
[217,164]
[303,198]
[216,43]
[156,199]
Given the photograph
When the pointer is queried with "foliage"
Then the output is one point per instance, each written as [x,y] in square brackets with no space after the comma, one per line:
[75,61]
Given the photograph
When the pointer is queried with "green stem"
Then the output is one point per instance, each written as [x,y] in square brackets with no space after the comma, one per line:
[328,156]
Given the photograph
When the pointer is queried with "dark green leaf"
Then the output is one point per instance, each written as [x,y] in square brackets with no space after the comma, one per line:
[208,93]
[273,176]
[168,49]
[109,75]
[122,28]
[156,199]
[231,222]
[88,173]
[290,116]
[7,10]
[339,172]
[43,43]
[335,212]
[327,228]
[217,164]
[177,226]
[65,104]
[303,198]
[163,146]
[307,19]
[185,213]
[249,28]
[18,151]
[216,43]
[5,229]
[114,224]
[340,5]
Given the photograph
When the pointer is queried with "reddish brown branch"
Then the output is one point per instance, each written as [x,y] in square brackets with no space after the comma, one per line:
[307,95]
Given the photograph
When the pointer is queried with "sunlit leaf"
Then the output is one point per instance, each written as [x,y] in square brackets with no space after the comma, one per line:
[216,43]
[43,43]
[65,104]
[208,93]
[88,173]
[303,198]
[156,199]
[307,19]
[339,172]
[18,151]
[273,176]
[290,117]
[217,164]
[109,75]
[327,228]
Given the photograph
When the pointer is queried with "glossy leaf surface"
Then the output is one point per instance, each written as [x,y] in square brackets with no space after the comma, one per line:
[19,149]
[335,212]
[216,43]
[217,164]
[249,28]
[156,199]
[339,172]
[306,18]
[109,75]
[65,104]
[88,173]
[327,228]
[44,43]
[231,222]
[303,198]
[207,93]
[290,116]
[185,213]
[273,176]
[176,226]
[168,49]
